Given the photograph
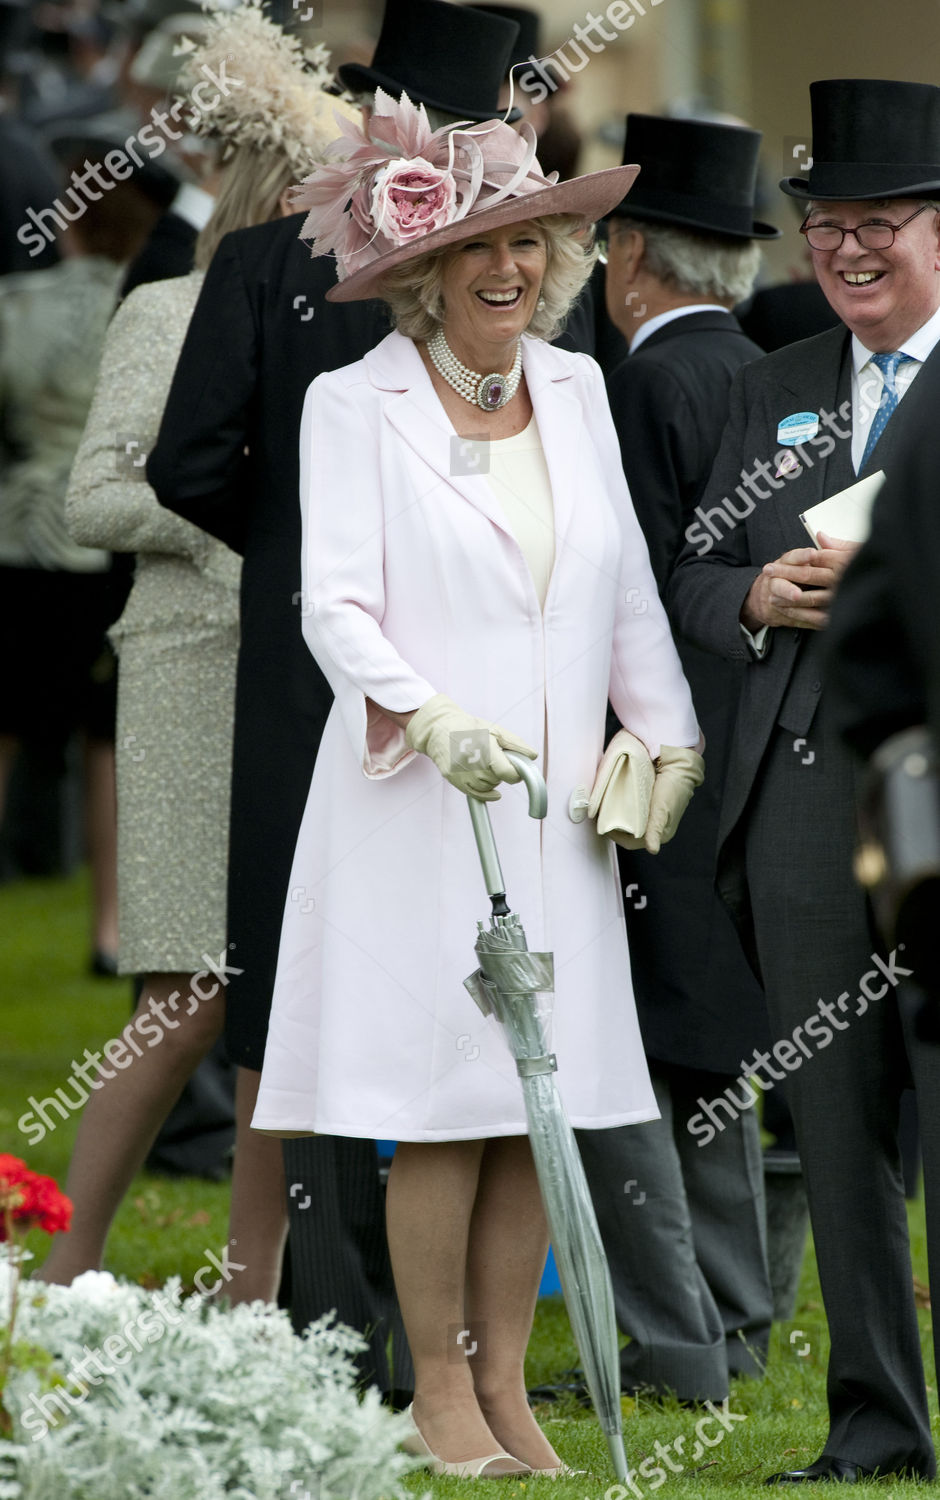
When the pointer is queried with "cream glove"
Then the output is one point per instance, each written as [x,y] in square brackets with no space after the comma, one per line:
[678,773]
[467,751]
[623,787]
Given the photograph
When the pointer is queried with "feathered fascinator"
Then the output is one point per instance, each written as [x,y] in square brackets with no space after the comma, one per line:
[261,87]
[396,189]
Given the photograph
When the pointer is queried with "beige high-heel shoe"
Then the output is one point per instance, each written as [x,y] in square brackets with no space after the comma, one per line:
[470,1468]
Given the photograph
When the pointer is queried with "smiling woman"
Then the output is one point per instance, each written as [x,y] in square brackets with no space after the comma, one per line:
[415,292]
[459,584]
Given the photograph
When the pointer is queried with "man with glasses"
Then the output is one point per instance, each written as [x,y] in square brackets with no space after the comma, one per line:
[805,422]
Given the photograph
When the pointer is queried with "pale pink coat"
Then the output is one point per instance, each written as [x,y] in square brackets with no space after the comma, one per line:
[414,585]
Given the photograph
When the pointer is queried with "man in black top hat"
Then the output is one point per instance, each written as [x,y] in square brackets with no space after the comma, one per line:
[690,1271]
[805,423]
[227,458]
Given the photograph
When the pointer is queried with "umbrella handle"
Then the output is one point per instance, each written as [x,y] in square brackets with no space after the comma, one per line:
[483,828]
[534,780]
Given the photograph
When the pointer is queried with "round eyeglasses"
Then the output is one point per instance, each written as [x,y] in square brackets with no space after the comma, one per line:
[874,234]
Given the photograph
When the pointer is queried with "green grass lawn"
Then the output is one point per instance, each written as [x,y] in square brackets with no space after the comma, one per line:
[51,1012]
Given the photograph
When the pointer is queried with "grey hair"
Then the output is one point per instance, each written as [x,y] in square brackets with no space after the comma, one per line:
[698,265]
[414,293]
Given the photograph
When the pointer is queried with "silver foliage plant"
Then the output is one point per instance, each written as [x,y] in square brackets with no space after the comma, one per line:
[225,1404]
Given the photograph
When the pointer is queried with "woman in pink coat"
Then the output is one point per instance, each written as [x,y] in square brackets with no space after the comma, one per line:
[470,560]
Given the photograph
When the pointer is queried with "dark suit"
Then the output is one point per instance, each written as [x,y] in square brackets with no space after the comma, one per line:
[260,333]
[690,1272]
[883,643]
[883,652]
[785,847]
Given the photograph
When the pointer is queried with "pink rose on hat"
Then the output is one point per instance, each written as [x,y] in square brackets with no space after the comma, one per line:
[410,198]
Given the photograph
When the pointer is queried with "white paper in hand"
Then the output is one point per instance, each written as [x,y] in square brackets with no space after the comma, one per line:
[847,514]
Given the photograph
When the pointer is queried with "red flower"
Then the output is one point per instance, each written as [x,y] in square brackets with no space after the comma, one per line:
[30,1199]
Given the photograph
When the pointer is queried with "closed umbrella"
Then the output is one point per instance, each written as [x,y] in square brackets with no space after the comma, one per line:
[507,985]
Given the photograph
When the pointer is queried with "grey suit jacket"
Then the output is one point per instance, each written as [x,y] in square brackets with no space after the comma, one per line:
[740,528]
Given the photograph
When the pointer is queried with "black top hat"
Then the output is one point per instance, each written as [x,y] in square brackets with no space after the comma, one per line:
[449,57]
[695,174]
[872,138]
[529,23]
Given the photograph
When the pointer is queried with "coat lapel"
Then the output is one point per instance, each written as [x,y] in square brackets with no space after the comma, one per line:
[418,417]
[822,386]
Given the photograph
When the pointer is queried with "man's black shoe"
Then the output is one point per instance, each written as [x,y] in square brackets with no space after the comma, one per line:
[825,1469]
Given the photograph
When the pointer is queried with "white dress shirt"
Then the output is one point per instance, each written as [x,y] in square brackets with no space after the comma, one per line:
[868,383]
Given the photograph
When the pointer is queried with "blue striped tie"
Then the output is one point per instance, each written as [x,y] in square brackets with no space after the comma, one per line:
[888,365]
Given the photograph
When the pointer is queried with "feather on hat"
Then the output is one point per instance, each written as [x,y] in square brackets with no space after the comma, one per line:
[395,189]
[268,90]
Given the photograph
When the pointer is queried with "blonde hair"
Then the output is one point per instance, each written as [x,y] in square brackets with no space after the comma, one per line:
[414,292]
[250,189]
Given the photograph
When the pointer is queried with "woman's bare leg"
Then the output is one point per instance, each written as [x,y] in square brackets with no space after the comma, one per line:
[430,1204]
[507,1249]
[258,1218]
[124,1113]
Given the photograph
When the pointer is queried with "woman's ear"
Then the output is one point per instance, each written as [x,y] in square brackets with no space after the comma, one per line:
[285,205]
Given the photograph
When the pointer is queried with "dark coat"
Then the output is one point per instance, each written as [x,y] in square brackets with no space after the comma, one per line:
[261,332]
[883,641]
[735,534]
[699,1004]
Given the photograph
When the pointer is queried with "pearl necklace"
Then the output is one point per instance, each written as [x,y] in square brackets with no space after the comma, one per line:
[489,392]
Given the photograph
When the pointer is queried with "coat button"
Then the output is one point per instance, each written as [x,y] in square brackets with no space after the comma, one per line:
[578,804]
[817,687]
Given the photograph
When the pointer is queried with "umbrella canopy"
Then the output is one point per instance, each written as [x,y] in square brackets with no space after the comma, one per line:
[508,984]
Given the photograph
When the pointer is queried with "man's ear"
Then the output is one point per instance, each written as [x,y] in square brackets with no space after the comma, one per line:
[630,243]
[635,249]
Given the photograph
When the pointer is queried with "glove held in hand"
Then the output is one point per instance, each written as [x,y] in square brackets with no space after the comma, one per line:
[623,786]
[678,772]
[467,751]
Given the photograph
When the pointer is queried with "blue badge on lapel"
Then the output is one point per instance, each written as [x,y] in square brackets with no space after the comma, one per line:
[798,428]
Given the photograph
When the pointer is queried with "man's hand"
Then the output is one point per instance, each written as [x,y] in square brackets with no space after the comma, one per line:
[797,588]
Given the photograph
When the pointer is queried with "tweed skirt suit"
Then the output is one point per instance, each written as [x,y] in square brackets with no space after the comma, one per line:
[176,642]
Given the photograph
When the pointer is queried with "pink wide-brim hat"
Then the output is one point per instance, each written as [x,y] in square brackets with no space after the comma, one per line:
[391,189]
[590,197]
